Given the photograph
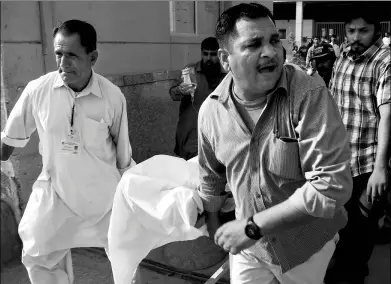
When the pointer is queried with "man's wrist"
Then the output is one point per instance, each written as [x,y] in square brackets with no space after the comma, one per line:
[175,90]
[252,230]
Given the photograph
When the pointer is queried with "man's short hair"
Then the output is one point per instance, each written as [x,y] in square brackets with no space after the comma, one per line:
[210,43]
[364,11]
[86,32]
[225,27]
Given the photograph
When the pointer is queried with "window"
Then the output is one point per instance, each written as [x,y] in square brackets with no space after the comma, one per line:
[282,33]
[194,18]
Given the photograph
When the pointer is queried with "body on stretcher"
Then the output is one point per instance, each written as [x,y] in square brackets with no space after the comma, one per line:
[157,215]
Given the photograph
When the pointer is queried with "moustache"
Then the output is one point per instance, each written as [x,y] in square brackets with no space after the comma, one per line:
[355,44]
[270,64]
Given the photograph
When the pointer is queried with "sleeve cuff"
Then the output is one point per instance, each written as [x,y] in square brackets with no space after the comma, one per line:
[20,143]
[123,170]
[308,200]
[212,203]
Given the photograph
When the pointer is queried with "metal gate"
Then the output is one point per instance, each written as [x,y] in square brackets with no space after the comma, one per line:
[329,28]
[385,27]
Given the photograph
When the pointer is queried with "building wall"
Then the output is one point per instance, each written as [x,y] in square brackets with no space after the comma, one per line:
[308,26]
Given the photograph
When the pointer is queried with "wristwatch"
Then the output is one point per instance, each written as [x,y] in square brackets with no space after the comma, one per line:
[252,230]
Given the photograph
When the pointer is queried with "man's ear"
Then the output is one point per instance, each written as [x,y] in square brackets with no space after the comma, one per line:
[223,55]
[93,57]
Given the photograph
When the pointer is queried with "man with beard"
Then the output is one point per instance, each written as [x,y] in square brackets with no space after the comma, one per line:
[361,86]
[208,74]
[274,136]
[322,61]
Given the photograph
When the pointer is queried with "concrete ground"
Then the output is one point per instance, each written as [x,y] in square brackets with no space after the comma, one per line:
[93,268]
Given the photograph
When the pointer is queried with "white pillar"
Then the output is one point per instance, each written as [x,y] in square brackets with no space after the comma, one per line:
[299,23]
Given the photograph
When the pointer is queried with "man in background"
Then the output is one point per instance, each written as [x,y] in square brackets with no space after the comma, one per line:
[344,44]
[208,74]
[333,42]
[361,87]
[322,61]
[303,50]
[310,52]
[301,55]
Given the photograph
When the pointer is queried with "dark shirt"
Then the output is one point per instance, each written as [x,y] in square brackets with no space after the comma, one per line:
[186,144]
[303,51]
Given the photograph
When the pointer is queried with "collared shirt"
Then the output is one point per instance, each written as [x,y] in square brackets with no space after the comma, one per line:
[186,134]
[302,155]
[85,182]
[360,86]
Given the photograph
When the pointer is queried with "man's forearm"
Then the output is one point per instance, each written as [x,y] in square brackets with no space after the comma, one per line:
[383,138]
[280,218]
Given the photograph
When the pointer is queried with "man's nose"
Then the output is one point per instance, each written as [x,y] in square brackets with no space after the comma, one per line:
[356,36]
[64,61]
[268,51]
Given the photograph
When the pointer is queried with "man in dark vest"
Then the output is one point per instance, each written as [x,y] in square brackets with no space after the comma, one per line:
[208,75]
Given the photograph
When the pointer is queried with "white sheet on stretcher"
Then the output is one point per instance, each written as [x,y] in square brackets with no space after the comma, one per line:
[156,203]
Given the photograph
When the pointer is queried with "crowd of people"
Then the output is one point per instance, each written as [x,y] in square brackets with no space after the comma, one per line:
[303,149]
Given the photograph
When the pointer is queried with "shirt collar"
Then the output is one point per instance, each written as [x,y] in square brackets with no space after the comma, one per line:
[367,54]
[223,90]
[91,88]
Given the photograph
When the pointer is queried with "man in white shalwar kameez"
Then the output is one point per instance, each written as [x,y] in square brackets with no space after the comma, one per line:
[82,125]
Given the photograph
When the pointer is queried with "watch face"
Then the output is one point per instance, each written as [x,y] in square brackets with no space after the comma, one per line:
[252,232]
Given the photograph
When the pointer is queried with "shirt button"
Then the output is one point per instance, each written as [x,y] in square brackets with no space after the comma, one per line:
[258,195]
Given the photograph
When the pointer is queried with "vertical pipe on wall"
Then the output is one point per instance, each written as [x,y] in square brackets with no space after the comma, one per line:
[43,35]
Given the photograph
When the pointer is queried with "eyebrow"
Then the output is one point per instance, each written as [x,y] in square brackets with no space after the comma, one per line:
[62,52]
[257,39]
[254,39]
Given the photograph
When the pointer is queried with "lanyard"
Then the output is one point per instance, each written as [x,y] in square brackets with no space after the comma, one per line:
[72,119]
[73,114]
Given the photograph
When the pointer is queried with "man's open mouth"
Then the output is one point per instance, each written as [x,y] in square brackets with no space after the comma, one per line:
[267,68]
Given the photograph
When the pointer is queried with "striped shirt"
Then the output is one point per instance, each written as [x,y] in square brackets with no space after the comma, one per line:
[301,154]
[360,86]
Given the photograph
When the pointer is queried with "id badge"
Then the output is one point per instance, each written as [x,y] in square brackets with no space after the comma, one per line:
[71,145]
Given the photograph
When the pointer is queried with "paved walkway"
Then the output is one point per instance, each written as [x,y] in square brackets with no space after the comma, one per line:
[92,268]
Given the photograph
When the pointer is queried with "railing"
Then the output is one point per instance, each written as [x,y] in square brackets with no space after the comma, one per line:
[337,28]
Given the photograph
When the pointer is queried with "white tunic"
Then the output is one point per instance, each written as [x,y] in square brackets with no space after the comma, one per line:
[71,198]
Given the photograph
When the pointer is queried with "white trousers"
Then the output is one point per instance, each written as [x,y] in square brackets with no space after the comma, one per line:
[246,269]
[55,267]
[49,229]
